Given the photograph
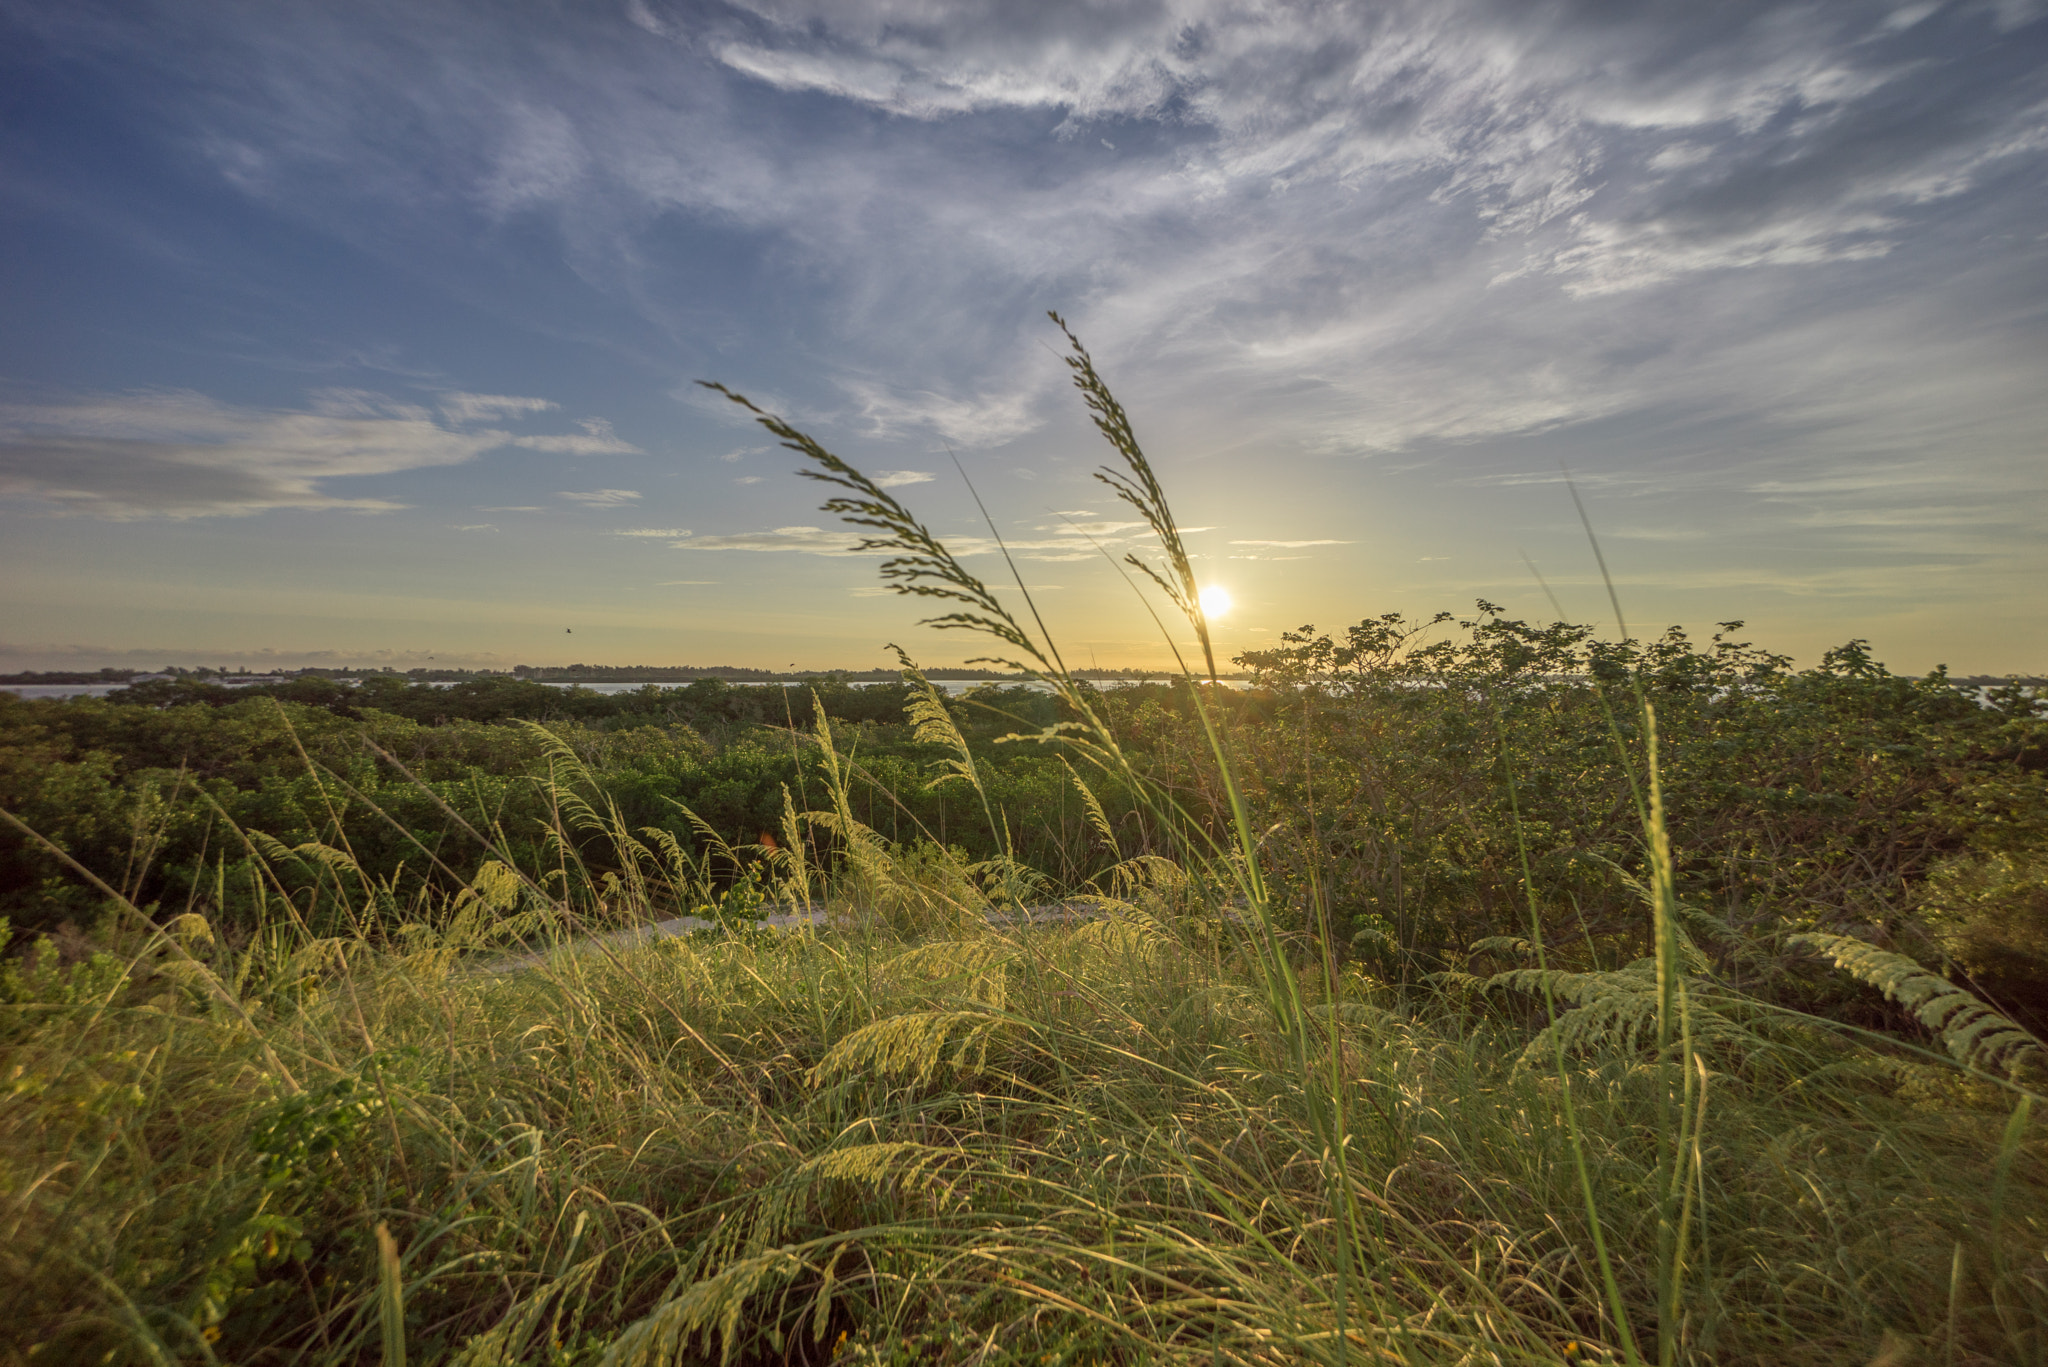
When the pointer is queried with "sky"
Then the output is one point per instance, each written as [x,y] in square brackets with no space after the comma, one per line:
[368,333]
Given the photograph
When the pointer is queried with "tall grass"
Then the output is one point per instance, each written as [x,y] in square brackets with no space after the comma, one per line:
[932,1132]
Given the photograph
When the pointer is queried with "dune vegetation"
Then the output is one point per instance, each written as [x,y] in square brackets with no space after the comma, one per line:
[1464,991]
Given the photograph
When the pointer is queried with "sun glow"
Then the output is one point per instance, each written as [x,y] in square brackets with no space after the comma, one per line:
[1215,601]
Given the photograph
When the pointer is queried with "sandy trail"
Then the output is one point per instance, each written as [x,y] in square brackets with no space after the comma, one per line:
[633,937]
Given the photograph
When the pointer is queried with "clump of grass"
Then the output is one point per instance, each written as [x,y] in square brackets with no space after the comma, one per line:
[1084,1141]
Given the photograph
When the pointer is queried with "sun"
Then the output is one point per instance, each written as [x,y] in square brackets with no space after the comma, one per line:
[1215,601]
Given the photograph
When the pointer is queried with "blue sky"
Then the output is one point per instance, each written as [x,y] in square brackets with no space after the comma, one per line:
[367,333]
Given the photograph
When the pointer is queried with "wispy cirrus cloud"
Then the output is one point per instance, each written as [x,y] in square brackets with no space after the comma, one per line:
[177,454]
[468,408]
[601,498]
[597,439]
[1070,544]
[806,540]
[969,422]
[1377,209]
[1099,528]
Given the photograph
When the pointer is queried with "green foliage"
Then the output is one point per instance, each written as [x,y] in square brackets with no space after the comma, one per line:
[1817,799]
[300,1139]
[1977,1035]
[41,978]
[1987,914]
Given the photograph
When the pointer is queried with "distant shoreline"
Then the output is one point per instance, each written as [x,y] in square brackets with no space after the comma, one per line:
[677,674]
[593,674]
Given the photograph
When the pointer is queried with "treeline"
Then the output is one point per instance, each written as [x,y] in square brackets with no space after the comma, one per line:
[708,703]
[69,676]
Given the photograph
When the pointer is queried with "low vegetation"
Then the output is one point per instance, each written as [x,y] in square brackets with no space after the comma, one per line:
[1465,990]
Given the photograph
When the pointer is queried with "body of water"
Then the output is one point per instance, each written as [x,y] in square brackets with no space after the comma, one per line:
[94,690]
[953,687]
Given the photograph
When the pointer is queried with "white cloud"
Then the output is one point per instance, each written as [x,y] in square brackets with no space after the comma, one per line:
[638,13]
[897,479]
[1305,192]
[539,159]
[466,408]
[808,540]
[1067,546]
[598,439]
[659,533]
[715,405]
[602,498]
[1099,529]
[1679,155]
[1294,545]
[1319,225]
[973,423]
[178,454]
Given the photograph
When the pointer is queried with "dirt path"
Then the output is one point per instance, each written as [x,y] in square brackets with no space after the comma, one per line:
[633,937]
